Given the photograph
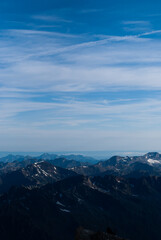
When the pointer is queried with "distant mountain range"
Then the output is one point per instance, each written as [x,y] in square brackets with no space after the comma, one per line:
[47,156]
[136,166]
[49,197]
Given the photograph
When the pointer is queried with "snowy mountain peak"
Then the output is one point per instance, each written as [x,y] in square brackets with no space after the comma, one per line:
[153,161]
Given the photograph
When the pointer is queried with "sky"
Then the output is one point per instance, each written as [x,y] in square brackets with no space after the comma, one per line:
[80,75]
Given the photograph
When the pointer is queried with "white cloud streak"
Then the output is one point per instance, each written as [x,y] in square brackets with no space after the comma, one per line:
[136,22]
[43,63]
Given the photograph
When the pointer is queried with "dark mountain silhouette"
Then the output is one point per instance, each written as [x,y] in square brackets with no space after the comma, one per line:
[85,234]
[33,175]
[42,201]
[56,210]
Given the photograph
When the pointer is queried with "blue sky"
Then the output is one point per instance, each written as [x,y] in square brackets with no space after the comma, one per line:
[80,75]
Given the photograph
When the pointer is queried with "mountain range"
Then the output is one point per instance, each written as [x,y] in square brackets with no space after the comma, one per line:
[55,198]
[47,156]
[136,166]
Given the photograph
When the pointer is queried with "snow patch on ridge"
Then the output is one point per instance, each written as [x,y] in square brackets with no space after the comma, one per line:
[59,203]
[153,161]
[64,210]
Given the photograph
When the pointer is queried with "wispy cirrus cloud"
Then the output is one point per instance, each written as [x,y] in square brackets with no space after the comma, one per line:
[38,65]
[80,76]
[136,113]
[137,26]
[53,65]
[136,22]
[38,32]
[63,126]
[50,18]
